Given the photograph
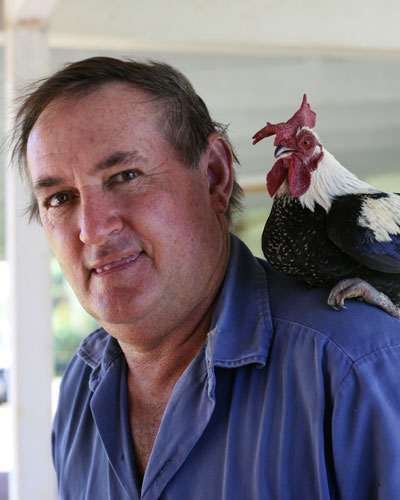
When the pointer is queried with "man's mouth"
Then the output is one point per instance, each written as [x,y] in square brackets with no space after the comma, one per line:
[116,263]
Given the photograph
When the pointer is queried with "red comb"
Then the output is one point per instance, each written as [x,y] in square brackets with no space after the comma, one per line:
[304,117]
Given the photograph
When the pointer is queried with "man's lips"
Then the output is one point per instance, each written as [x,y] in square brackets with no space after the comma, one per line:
[116,263]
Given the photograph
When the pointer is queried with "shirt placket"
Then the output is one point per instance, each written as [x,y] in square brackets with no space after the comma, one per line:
[186,417]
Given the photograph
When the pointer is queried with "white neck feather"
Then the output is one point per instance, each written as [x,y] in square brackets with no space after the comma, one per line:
[328,181]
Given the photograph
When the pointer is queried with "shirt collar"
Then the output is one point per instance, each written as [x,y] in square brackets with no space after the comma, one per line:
[98,350]
[241,327]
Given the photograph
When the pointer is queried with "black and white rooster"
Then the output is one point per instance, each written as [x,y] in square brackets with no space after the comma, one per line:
[326,226]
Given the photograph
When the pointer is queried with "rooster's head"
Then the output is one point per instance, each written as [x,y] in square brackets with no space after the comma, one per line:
[298,151]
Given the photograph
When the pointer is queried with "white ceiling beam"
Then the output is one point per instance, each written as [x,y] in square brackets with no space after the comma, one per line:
[29,11]
[118,43]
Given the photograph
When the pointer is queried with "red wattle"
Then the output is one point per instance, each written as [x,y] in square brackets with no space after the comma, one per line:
[299,177]
[276,176]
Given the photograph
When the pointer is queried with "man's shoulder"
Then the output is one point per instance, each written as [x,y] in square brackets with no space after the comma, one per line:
[357,331]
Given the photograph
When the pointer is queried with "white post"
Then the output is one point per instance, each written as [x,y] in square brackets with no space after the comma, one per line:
[32,476]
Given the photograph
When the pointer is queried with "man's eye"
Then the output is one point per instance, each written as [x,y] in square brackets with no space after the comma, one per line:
[125,176]
[58,199]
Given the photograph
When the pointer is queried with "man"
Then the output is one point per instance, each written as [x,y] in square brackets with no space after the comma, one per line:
[213,376]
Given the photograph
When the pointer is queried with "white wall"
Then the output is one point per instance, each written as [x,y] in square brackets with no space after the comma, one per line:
[233,24]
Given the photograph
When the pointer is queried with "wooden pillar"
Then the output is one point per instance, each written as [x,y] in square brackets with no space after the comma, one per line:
[32,476]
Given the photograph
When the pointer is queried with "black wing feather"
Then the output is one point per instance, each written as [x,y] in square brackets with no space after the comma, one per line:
[373,239]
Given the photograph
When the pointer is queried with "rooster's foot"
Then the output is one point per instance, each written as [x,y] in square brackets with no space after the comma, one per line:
[358,288]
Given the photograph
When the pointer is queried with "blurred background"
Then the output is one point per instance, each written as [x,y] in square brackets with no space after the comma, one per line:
[251,62]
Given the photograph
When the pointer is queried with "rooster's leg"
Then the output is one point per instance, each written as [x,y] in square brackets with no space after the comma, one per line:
[358,288]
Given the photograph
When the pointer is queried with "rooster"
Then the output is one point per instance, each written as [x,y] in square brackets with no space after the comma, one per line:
[328,227]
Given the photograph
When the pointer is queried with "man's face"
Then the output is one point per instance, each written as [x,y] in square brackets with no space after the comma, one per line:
[135,230]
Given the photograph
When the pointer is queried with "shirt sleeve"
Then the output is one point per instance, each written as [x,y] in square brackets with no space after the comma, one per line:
[366,428]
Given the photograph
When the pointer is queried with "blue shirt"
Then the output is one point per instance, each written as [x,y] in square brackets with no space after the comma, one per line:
[287,399]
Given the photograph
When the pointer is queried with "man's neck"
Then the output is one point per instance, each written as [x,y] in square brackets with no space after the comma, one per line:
[159,364]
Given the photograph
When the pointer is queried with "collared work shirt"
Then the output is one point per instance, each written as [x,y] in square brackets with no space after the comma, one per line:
[287,399]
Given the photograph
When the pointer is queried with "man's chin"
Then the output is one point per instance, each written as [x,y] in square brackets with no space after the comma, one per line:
[119,307]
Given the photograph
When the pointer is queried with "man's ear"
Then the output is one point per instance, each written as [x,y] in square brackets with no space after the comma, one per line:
[219,170]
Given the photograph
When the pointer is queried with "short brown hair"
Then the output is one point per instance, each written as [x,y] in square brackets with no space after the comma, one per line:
[187,122]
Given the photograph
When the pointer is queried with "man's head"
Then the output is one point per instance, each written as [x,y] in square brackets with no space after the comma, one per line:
[140,235]
[184,118]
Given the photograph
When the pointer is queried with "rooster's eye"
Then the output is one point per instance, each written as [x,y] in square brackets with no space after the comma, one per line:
[307,142]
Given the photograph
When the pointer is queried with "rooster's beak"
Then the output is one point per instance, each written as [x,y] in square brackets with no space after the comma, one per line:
[282,150]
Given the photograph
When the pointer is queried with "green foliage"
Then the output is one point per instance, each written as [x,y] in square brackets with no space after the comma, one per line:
[387,182]
[249,224]
[70,322]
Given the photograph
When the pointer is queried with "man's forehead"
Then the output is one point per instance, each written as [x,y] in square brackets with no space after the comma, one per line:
[106,94]
[71,131]
[115,103]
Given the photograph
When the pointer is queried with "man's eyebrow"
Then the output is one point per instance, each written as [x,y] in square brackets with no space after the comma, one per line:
[117,158]
[46,182]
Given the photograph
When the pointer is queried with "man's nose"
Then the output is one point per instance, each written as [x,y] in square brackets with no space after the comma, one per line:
[98,219]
